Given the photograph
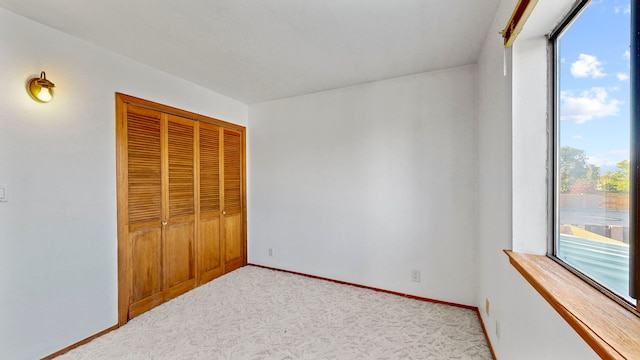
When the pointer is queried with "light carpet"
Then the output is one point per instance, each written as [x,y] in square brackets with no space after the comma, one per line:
[256,313]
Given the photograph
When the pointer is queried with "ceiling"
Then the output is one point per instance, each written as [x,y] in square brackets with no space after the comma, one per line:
[258,50]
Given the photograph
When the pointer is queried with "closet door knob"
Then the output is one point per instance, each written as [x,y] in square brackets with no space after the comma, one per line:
[164,223]
[224,212]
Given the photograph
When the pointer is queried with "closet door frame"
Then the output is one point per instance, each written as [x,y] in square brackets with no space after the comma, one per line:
[124,251]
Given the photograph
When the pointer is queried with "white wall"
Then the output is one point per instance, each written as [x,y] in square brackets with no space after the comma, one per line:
[58,266]
[512,192]
[360,184]
[366,183]
[530,145]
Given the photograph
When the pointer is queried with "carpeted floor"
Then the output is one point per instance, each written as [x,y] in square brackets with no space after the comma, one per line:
[256,313]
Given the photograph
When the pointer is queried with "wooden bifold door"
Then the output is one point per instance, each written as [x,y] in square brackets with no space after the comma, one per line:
[181,202]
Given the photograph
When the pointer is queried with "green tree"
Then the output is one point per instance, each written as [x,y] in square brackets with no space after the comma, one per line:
[573,166]
[593,173]
[588,184]
[617,181]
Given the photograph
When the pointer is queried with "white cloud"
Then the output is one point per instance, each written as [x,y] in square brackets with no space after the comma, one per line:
[608,161]
[624,153]
[627,55]
[623,76]
[590,104]
[587,66]
[595,160]
[625,10]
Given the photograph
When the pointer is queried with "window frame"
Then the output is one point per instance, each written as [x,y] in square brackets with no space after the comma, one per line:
[553,155]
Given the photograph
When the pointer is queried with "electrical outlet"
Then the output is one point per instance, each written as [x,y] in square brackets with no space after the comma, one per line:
[415,275]
[486,306]
[270,252]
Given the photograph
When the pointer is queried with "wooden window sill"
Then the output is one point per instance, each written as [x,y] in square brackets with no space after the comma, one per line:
[610,329]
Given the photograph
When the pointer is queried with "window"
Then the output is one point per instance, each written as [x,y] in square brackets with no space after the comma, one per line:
[593,158]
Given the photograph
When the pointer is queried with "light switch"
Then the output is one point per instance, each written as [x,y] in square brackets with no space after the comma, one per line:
[3,192]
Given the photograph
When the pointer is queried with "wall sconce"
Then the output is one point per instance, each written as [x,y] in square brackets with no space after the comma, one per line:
[41,89]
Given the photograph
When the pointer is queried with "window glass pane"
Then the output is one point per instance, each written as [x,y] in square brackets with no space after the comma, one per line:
[593,144]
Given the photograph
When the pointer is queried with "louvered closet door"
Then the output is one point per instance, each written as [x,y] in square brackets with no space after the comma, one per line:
[145,213]
[209,246]
[232,201]
[179,243]
[181,215]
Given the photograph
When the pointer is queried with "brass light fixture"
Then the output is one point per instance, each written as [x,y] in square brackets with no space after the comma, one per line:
[41,89]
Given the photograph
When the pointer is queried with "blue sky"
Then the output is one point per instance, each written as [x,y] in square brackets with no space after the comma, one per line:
[594,83]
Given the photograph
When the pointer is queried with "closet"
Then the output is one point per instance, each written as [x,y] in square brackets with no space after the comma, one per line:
[181,202]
